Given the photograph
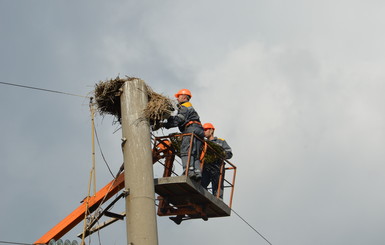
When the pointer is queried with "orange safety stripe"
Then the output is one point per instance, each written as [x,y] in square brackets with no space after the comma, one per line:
[191,122]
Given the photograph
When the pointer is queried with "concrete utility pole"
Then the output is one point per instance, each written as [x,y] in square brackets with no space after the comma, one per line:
[138,167]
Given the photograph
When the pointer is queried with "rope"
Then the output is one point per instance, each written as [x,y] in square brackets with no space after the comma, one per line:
[92,175]
[42,89]
[92,110]
[101,203]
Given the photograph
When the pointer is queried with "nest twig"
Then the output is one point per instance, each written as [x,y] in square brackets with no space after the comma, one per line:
[107,96]
[159,107]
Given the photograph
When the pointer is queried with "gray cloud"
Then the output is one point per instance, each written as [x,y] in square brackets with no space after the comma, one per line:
[295,88]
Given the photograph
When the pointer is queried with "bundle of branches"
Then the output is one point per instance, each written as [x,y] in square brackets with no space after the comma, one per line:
[159,107]
[107,96]
[214,152]
[176,142]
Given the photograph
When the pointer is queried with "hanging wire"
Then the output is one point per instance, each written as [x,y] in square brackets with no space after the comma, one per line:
[101,153]
[42,89]
[252,227]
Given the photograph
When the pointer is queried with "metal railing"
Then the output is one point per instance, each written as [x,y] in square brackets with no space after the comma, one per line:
[166,150]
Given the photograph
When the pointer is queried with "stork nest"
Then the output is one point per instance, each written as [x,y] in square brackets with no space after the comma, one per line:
[107,97]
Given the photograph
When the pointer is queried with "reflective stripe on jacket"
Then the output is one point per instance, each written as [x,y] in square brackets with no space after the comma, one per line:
[224,145]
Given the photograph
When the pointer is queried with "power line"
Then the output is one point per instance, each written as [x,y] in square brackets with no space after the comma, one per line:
[252,227]
[42,89]
[5,242]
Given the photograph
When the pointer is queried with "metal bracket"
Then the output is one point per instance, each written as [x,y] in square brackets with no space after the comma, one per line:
[124,140]
[126,192]
[114,215]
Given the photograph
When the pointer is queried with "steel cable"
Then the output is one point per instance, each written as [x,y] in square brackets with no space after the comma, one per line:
[43,89]
[252,227]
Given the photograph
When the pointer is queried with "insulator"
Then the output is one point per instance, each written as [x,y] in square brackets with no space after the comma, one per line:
[74,242]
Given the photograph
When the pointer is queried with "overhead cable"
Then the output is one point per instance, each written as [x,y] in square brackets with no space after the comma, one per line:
[5,242]
[252,227]
[43,89]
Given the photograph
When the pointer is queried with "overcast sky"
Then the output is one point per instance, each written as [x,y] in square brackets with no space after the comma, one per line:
[295,87]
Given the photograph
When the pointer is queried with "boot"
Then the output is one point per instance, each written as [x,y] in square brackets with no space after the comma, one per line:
[197,170]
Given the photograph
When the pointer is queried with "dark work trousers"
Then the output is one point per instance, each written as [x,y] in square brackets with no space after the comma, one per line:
[211,173]
[196,147]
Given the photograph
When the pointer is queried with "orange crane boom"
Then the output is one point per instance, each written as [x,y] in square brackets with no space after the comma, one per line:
[78,214]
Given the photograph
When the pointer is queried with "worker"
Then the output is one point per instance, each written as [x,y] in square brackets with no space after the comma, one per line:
[211,171]
[187,120]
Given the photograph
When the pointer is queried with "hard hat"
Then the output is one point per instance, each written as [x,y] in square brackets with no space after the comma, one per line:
[208,126]
[183,91]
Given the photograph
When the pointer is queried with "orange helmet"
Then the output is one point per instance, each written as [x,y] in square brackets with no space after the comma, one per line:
[208,126]
[183,91]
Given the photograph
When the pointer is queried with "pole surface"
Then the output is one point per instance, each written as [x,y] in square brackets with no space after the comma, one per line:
[138,167]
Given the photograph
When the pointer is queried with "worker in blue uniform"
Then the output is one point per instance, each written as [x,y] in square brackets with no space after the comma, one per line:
[211,171]
[187,120]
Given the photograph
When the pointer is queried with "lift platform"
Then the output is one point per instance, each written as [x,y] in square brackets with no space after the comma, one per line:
[184,198]
[187,199]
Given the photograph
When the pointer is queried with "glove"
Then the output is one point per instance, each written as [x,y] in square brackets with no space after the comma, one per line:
[157,126]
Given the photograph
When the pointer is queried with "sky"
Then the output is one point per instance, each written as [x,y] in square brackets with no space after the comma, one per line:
[295,87]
